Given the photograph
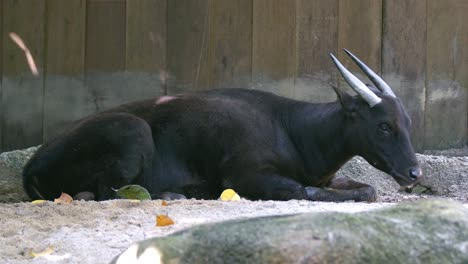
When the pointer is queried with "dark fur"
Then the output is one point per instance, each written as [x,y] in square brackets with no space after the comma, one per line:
[262,145]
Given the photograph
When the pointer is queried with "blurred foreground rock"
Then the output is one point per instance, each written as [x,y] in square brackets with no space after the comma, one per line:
[445,176]
[11,182]
[425,231]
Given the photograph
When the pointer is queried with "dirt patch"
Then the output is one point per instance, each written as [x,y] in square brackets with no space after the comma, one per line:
[95,232]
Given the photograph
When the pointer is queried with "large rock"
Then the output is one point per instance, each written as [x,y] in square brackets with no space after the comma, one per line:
[426,231]
[11,166]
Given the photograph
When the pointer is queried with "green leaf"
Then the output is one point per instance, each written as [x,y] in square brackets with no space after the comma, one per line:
[135,192]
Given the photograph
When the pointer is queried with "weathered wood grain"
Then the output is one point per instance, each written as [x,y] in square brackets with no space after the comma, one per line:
[274,46]
[1,76]
[105,53]
[317,36]
[105,35]
[100,53]
[146,49]
[187,45]
[66,97]
[360,31]
[404,58]
[230,43]
[22,97]
[447,74]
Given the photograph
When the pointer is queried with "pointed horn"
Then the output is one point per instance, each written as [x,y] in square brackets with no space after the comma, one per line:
[358,86]
[379,82]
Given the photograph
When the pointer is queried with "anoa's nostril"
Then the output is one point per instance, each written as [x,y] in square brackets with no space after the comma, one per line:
[415,173]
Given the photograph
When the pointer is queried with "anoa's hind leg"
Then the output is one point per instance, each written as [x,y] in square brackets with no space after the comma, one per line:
[128,159]
[342,189]
[199,190]
[101,152]
[168,196]
[121,169]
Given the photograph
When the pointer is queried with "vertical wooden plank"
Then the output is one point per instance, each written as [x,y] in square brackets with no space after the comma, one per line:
[209,44]
[274,46]
[404,58]
[22,93]
[146,47]
[66,96]
[187,45]
[105,39]
[447,74]
[1,76]
[317,36]
[359,31]
[105,53]
[230,43]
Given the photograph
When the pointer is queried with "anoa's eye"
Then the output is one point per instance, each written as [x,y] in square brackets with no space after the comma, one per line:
[385,128]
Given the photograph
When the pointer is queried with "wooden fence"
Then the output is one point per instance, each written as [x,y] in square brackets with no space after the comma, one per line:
[95,54]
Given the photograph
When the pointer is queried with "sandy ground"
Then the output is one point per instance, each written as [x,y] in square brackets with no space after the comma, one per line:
[95,232]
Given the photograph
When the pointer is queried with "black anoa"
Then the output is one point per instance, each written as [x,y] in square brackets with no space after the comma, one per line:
[262,145]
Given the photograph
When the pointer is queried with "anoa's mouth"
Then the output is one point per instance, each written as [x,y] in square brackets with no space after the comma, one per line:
[404,181]
[408,179]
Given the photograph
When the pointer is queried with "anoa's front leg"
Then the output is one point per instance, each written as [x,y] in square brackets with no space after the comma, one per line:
[266,187]
[342,189]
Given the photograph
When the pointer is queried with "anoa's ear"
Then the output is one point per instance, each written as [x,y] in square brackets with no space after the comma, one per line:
[347,101]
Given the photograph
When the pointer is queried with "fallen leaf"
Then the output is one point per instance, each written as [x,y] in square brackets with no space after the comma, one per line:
[229,195]
[18,41]
[133,192]
[163,203]
[49,250]
[64,199]
[163,220]
[31,63]
[38,201]
[29,58]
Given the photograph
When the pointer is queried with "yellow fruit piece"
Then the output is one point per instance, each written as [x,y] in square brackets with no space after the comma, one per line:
[38,201]
[229,195]
[49,250]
